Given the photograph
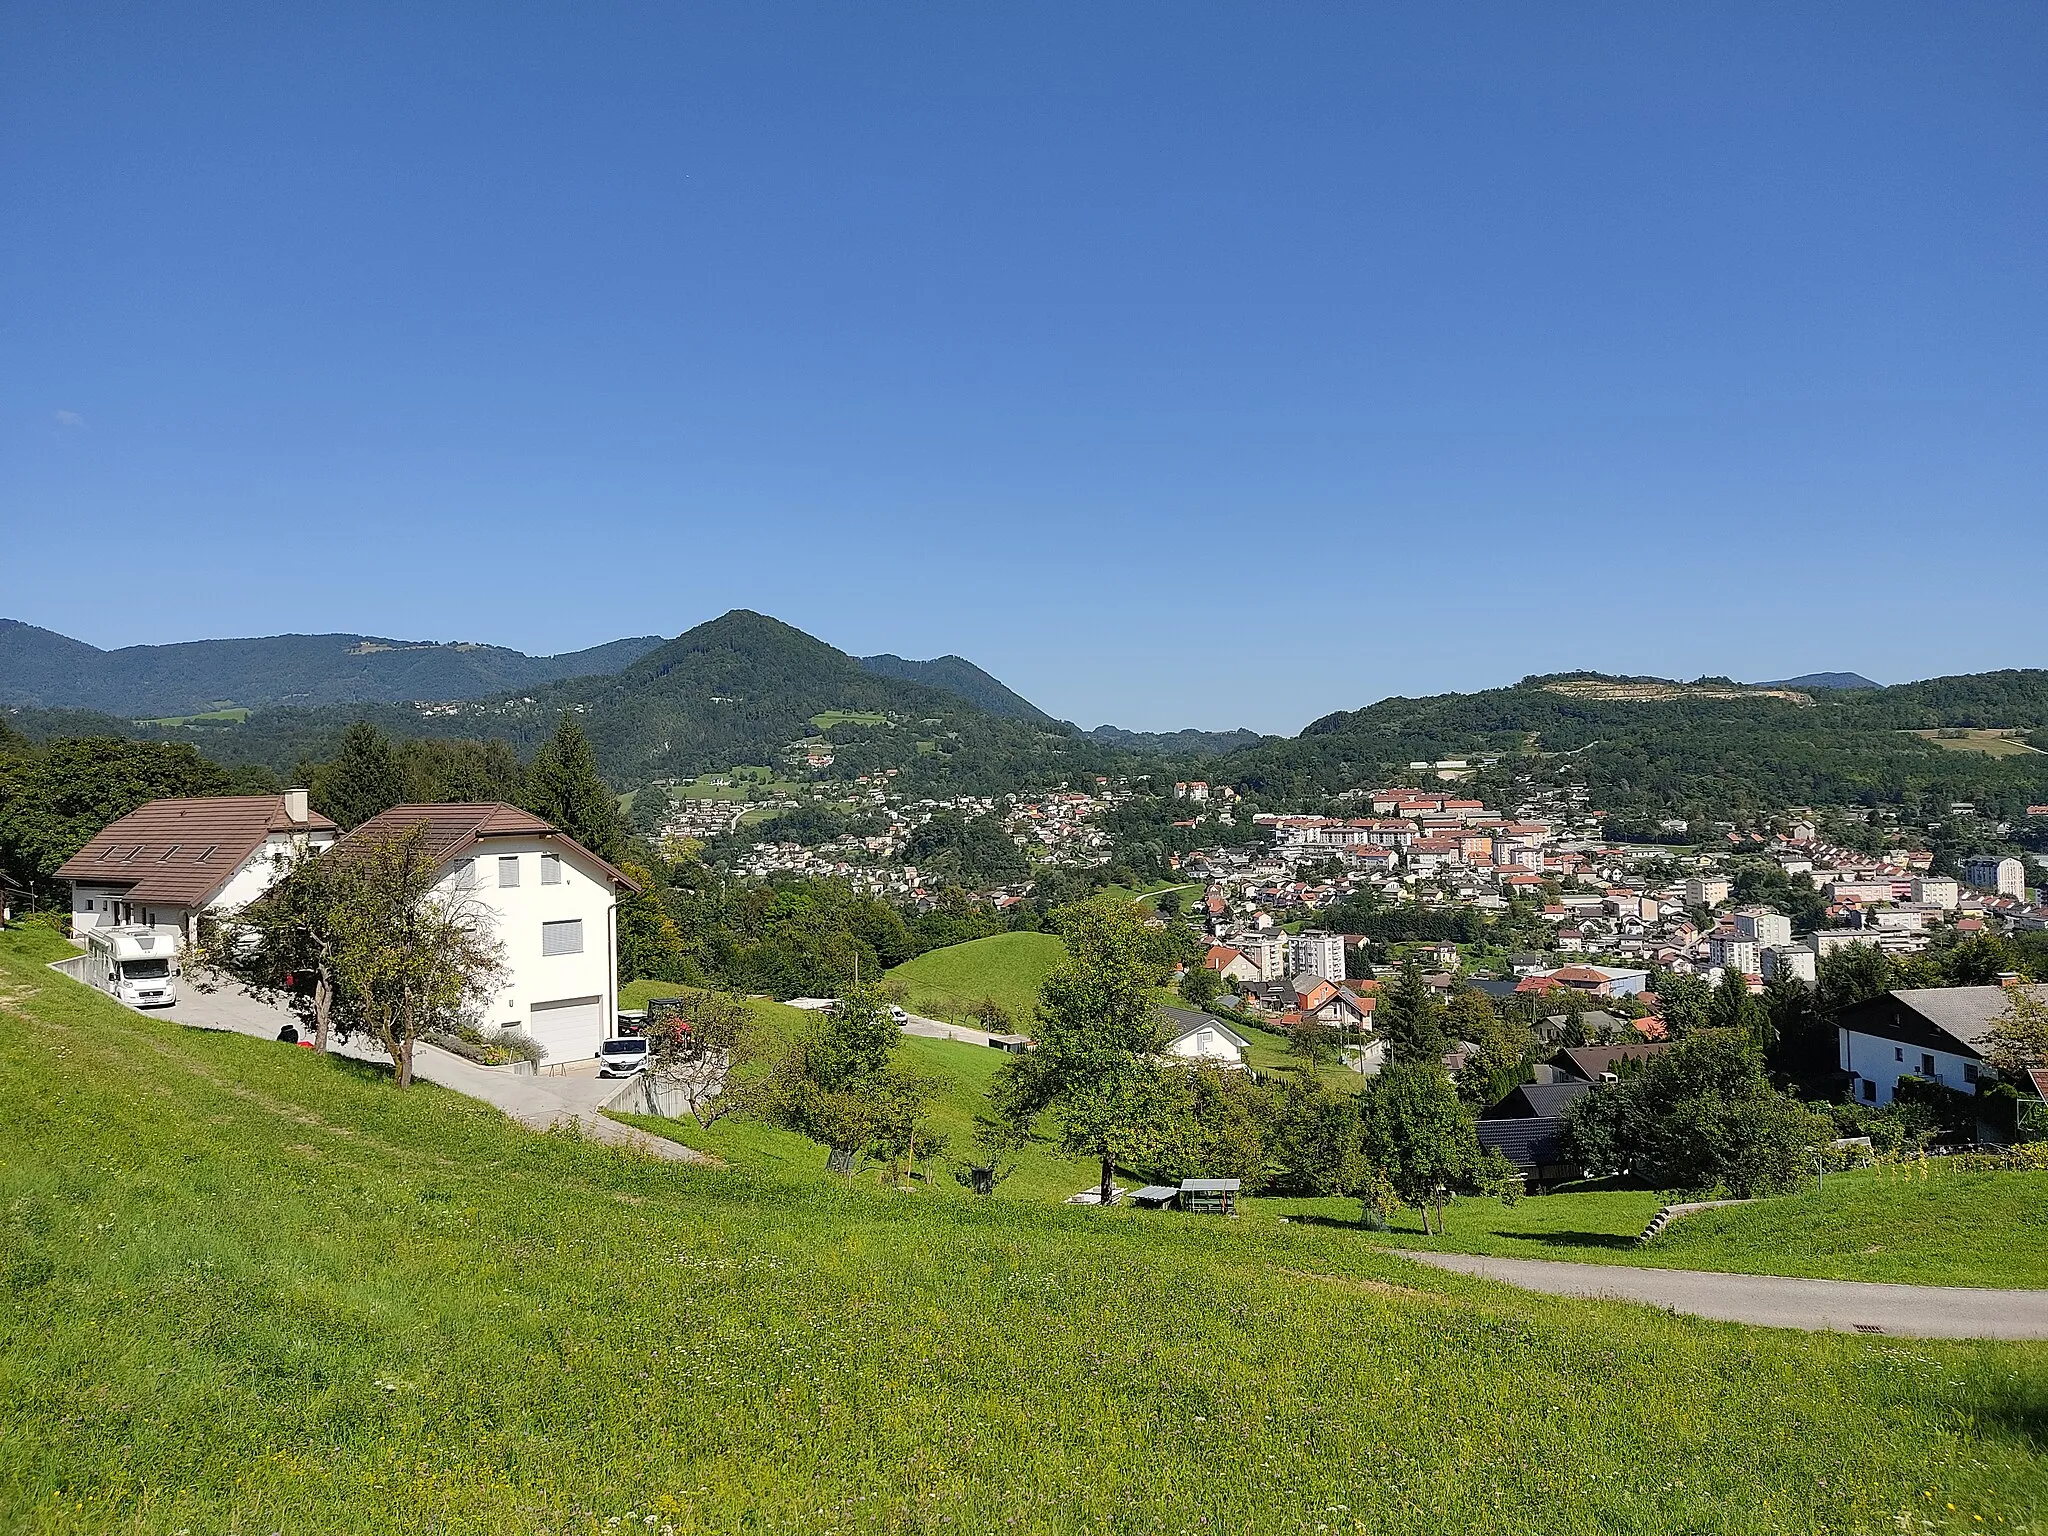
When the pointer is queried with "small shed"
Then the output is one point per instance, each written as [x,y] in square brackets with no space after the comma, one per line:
[1209,1197]
[1016,1045]
[1155,1197]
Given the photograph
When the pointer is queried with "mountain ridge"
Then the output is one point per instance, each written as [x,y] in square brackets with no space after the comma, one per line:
[41,669]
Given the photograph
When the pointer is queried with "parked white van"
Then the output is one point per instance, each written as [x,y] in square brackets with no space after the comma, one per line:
[139,966]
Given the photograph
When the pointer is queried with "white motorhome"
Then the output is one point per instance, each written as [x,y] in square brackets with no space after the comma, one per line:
[137,966]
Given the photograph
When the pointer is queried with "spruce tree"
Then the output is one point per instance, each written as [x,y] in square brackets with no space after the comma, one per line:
[1410,1018]
[564,787]
[365,777]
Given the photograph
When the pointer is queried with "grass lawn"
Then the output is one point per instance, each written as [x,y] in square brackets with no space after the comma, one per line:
[1990,743]
[1009,967]
[249,1289]
[1948,1228]
[738,783]
[211,717]
[832,717]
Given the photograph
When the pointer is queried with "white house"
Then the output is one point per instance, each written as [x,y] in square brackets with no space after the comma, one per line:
[1927,1032]
[1202,1038]
[550,902]
[166,862]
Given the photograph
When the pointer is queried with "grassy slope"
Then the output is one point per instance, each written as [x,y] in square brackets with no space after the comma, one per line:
[1986,1229]
[1010,967]
[254,1290]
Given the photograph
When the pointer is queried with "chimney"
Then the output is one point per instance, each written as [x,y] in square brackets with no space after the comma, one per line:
[295,808]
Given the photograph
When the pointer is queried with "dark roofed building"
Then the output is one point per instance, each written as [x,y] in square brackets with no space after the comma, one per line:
[551,904]
[1527,1127]
[1935,1033]
[1591,1063]
[164,862]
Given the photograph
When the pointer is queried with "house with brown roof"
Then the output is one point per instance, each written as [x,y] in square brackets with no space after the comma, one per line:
[550,902]
[166,862]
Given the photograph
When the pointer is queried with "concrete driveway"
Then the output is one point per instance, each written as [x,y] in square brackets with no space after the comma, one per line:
[1772,1301]
[542,1101]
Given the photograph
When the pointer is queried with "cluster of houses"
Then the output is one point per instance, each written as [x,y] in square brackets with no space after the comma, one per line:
[551,903]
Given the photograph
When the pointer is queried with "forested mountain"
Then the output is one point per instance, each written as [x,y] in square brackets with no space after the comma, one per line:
[1712,748]
[40,669]
[964,680]
[1176,743]
[1809,681]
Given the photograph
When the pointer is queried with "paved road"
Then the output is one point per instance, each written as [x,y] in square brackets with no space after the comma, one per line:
[538,1102]
[1843,1306]
[939,1029]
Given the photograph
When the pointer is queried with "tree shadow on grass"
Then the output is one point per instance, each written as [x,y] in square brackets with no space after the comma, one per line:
[1608,1240]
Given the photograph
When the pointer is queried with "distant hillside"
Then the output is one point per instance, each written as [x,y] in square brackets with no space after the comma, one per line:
[744,687]
[1708,750]
[1176,743]
[1841,682]
[40,669]
[964,680]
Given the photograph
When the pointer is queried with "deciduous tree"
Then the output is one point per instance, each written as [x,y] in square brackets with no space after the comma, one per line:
[1098,1032]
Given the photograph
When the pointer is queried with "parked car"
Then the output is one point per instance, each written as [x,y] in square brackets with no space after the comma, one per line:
[622,1056]
[899,1015]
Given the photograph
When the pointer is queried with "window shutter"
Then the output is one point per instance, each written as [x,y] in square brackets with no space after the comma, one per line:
[508,869]
[563,938]
[551,869]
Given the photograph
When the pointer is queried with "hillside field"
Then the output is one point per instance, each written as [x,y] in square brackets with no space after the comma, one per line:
[1901,1225]
[251,1289]
[1009,967]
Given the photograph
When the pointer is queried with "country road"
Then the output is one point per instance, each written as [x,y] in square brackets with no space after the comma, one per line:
[1773,1301]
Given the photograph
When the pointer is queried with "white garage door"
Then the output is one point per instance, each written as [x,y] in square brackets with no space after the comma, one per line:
[570,1029]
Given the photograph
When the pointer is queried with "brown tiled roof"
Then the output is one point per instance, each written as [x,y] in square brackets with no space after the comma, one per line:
[454,829]
[179,852]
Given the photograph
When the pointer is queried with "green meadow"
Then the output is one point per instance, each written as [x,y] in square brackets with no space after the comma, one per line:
[253,1290]
[1009,967]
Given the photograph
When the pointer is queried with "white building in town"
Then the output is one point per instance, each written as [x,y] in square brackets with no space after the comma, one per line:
[1764,925]
[2006,876]
[550,902]
[1319,953]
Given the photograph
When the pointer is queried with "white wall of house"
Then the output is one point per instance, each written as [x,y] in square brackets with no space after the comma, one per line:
[1205,1044]
[108,906]
[557,921]
[1878,1064]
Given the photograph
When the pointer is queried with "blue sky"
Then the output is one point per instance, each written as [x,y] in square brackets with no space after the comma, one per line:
[1180,364]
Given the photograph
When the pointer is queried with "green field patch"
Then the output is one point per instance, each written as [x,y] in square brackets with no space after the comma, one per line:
[1915,1225]
[1992,743]
[831,717]
[209,717]
[735,784]
[1009,967]
[249,1288]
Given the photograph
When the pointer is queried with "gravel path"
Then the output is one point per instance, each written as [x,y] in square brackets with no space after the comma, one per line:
[1773,1301]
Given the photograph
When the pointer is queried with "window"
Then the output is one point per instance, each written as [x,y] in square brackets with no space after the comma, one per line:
[207,852]
[465,875]
[1869,1091]
[564,938]
[508,870]
[551,869]
[1969,1071]
[1926,1065]
[88,903]
[168,852]
[1898,1053]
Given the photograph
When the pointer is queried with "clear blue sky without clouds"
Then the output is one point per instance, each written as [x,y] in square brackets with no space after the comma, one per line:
[1183,365]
